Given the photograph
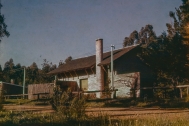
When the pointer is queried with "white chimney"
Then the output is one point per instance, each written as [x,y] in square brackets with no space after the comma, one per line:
[99,71]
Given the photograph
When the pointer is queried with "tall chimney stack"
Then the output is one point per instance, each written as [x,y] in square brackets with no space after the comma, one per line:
[99,70]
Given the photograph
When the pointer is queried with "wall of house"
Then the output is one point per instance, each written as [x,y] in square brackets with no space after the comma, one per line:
[128,84]
[91,80]
[91,83]
[79,75]
[131,72]
[11,89]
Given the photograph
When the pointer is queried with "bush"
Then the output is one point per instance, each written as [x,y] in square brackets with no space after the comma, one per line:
[1,99]
[69,107]
[72,109]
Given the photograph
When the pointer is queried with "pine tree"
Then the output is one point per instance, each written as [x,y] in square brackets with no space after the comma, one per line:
[3,26]
[168,54]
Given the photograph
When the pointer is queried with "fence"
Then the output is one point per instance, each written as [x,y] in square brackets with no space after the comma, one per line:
[39,88]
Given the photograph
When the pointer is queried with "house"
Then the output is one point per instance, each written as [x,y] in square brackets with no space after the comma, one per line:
[93,73]
[10,89]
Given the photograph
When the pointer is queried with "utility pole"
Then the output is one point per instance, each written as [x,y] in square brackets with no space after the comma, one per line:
[24,81]
[112,71]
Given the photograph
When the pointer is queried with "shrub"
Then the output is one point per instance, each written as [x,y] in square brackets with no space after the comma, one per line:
[1,99]
[72,108]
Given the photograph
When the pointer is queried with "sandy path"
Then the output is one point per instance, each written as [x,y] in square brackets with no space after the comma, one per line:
[114,112]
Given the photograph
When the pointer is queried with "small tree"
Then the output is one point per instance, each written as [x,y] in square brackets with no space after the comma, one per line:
[70,107]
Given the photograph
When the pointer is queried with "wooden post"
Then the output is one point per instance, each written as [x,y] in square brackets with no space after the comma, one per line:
[76,74]
[86,72]
[71,75]
[112,69]
[103,68]
[24,81]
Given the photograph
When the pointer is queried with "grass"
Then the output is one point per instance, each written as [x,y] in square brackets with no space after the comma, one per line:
[18,101]
[75,114]
[162,103]
[9,118]
[166,103]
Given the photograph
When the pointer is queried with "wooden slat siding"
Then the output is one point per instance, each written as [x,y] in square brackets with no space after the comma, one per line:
[39,88]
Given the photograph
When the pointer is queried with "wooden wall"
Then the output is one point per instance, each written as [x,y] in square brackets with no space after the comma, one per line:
[39,88]
[11,89]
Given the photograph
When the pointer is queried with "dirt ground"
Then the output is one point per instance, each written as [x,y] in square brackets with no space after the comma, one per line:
[112,112]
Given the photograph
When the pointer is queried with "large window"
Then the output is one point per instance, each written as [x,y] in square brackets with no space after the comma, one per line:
[84,84]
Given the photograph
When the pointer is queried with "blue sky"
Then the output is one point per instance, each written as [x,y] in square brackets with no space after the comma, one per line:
[56,29]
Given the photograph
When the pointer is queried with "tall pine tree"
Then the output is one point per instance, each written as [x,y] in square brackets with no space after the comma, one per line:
[168,56]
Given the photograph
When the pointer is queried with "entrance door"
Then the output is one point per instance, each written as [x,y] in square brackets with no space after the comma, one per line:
[84,84]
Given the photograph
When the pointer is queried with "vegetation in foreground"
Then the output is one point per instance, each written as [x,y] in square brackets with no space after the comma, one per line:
[72,113]
[59,119]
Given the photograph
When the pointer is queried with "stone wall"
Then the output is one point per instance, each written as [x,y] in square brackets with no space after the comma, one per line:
[127,84]
[130,73]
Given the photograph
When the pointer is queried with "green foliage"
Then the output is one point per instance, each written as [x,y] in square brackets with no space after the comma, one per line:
[168,54]
[68,59]
[74,114]
[170,50]
[1,100]
[75,109]
[3,26]
[11,118]
[1,74]
[70,107]
[46,67]
[18,101]
[145,36]
[34,75]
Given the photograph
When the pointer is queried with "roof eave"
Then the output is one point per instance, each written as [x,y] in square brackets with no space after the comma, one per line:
[53,73]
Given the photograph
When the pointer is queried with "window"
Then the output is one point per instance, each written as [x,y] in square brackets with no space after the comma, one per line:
[84,84]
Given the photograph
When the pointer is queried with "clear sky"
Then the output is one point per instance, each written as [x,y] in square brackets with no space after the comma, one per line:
[56,29]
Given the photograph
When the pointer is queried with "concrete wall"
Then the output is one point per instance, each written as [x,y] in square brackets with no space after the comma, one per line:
[123,82]
[126,83]
[91,81]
